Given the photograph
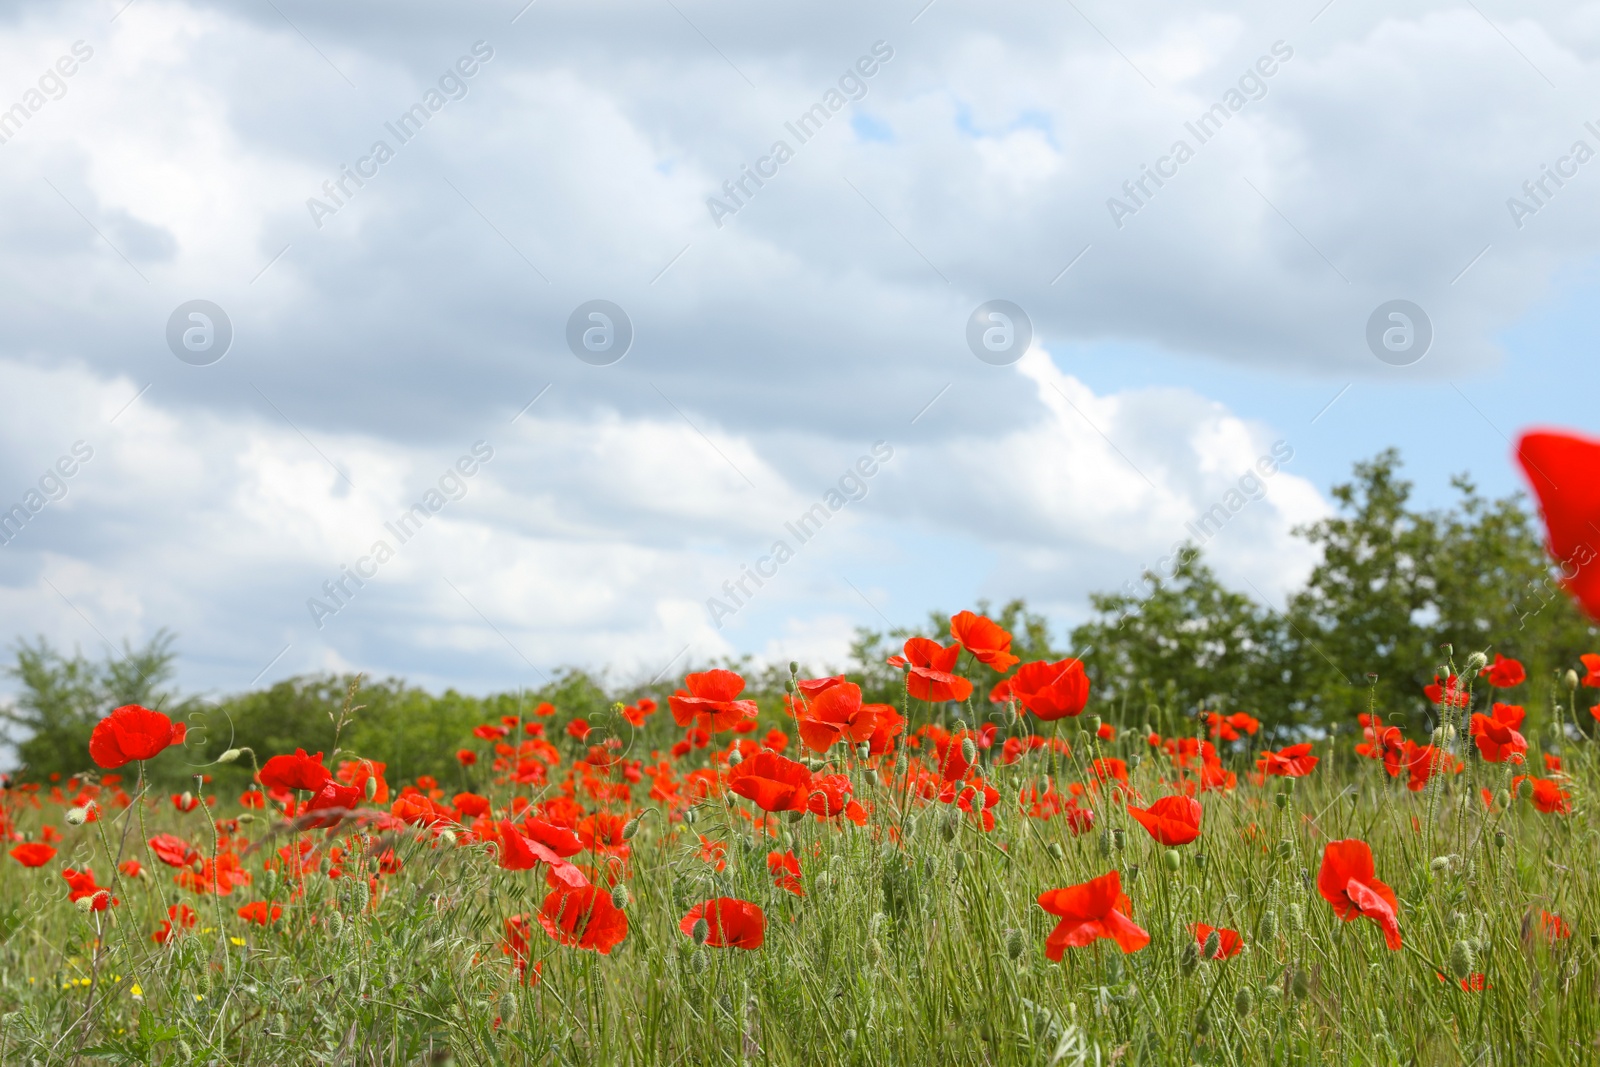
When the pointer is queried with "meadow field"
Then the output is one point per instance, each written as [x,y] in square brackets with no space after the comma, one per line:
[1198,841]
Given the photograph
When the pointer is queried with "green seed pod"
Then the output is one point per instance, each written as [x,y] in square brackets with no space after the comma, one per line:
[700,931]
[788,685]
[1300,985]
[863,750]
[1281,800]
[1244,1002]
[619,896]
[1055,851]
[794,668]
[1461,960]
[698,962]
[1013,943]
[870,776]
[1134,761]
[1499,839]
[1118,838]
[1502,799]
[1213,946]
[1189,958]
[1091,723]
[1172,859]
[1200,860]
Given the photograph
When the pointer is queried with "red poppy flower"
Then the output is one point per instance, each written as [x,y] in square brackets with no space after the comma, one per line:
[1548,796]
[1229,942]
[1449,692]
[776,740]
[1090,911]
[785,871]
[890,724]
[489,732]
[1052,690]
[1561,468]
[829,795]
[578,729]
[733,923]
[515,945]
[984,638]
[585,918]
[256,912]
[711,701]
[185,802]
[928,674]
[298,771]
[1591,664]
[1296,761]
[1348,882]
[33,854]
[1553,926]
[1110,768]
[1504,673]
[470,805]
[1496,735]
[835,713]
[1171,820]
[334,799]
[132,733]
[773,782]
[180,917]
[466,757]
[172,850]
[558,839]
[81,885]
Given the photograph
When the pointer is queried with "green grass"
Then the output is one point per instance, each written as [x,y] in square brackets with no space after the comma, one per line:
[918,940]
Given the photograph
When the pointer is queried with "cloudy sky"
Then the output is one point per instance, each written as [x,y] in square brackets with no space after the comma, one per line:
[394,211]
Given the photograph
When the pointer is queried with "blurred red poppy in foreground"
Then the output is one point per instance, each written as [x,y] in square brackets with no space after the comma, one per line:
[1229,943]
[928,666]
[984,638]
[1349,883]
[1090,911]
[1561,468]
[256,912]
[33,854]
[732,923]
[298,771]
[585,918]
[132,733]
[710,703]
[1171,820]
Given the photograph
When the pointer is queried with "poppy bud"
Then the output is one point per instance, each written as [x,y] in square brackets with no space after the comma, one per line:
[700,931]
[1243,1002]
[1524,787]
[336,924]
[969,751]
[960,862]
[735,758]
[1503,798]
[1461,959]
[1200,860]
[1281,800]
[1297,918]
[188,799]
[1013,943]
[794,668]
[1092,723]
[77,816]
[1439,863]
[1269,925]
[1117,838]
[1499,839]
[947,829]
[698,961]
[1134,761]
[900,764]
[1300,985]
[372,787]
[84,904]
[1172,859]
[1213,947]
[870,776]
[874,951]
[1189,958]
[244,817]
[1477,662]
[1055,851]
[229,756]
[448,837]
[788,685]
[619,896]
[1572,679]
[689,816]
[269,881]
